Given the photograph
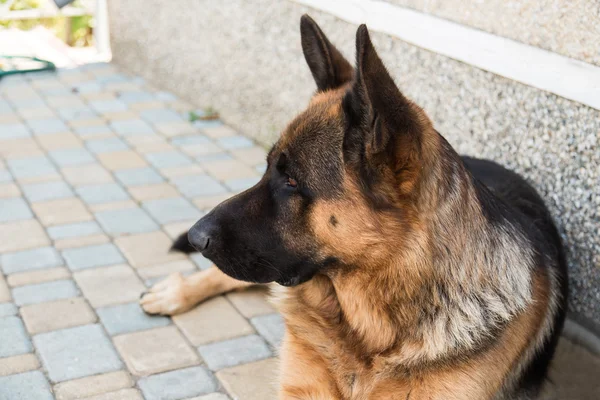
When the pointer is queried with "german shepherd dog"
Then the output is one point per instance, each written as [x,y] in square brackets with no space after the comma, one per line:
[405,271]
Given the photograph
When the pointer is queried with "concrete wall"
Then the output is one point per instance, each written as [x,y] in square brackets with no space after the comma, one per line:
[567,27]
[244,59]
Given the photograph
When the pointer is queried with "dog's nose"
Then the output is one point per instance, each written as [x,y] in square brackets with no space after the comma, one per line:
[202,233]
[199,239]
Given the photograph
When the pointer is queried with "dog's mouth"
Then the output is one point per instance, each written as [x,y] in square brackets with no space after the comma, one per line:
[307,273]
[289,282]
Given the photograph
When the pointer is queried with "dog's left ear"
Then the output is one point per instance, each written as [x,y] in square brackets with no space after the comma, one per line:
[383,125]
[327,65]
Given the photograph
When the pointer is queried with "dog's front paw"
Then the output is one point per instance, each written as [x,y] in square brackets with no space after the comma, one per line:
[167,297]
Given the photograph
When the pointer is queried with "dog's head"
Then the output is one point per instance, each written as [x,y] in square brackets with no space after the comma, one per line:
[341,182]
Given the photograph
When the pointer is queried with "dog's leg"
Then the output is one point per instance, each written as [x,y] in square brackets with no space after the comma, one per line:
[178,294]
[304,375]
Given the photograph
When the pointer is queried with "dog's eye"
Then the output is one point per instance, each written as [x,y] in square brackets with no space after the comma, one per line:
[291,182]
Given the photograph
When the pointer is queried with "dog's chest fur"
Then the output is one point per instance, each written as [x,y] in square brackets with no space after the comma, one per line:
[358,370]
[327,338]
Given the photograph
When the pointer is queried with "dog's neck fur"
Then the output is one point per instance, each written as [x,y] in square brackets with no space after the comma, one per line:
[454,291]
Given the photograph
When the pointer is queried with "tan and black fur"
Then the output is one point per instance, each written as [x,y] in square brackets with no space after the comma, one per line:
[404,270]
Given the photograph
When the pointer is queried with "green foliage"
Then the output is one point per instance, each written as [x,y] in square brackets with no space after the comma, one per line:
[75,31]
[193,116]
[24,4]
[81,31]
[206,114]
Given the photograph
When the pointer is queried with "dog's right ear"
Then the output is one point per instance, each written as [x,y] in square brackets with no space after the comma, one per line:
[327,65]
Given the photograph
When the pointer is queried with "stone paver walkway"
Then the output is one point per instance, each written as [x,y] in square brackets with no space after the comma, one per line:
[99,171]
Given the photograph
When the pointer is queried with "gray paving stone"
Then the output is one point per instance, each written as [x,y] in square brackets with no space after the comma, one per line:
[209,157]
[201,261]
[198,185]
[69,157]
[130,317]
[26,386]
[138,176]
[13,338]
[154,280]
[14,209]
[42,292]
[105,106]
[47,126]
[104,193]
[126,221]
[88,87]
[84,131]
[36,113]
[165,96]
[159,116]
[210,123]
[18,84]
[180,384]
[136,97]
[271,327]
[21,91]
[167,159]
[5,176]
[238,185]
[27,260]
[235,142]
[92,256]
[171,129]
[55,91]
[108,286]
[131,127]
[41,76]
[190,140]
[13,131]
[77,229]
[97,66]
[135,141]
[212,396]
[8,309]
[30,167]
[138,80]
[28,103]
[69,100]
[5,108]
[108,145]
[229,353]
[19,87]
[63,73]
[171,210]
[44,79]
[14,80]
[76,352]
[47,191]
[76,113]
[53,88]
[113,78]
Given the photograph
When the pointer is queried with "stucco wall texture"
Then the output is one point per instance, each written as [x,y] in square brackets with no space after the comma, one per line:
[244,59]
[567,27]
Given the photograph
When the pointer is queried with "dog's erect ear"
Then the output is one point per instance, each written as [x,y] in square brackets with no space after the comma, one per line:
[381,119]
[383,125]
[327,65]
